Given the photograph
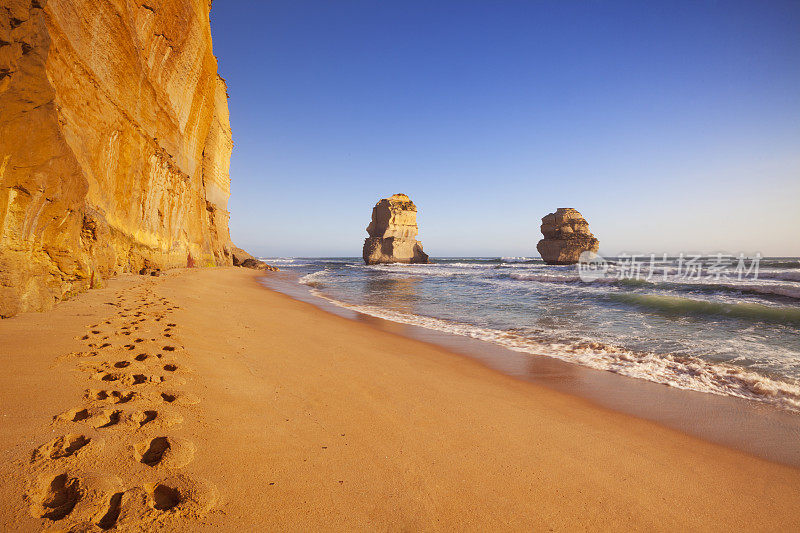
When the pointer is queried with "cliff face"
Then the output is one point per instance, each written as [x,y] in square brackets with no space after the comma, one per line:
[114,144]
[566,236]
[392,233]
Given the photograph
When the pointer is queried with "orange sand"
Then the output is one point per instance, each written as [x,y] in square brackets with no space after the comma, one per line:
[276,414]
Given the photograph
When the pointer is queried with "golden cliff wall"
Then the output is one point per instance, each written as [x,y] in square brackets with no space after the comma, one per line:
[115,144]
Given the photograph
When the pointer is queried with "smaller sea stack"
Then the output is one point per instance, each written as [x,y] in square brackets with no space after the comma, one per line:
[393,232]
[566,236]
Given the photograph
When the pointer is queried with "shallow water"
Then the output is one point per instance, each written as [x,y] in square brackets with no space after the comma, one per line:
[728,336]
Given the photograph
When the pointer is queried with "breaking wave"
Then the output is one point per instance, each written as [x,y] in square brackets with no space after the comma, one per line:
[765,288]
[675,305]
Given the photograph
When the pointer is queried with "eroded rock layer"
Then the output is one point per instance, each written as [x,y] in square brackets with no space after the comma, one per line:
[566,236]
[114,144]
[393,232]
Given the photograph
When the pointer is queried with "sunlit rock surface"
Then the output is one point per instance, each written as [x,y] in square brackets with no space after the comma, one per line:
[115,144]
[566,235]
[393,232]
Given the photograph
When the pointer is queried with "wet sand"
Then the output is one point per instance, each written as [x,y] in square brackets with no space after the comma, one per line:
[252,410]
[759,429]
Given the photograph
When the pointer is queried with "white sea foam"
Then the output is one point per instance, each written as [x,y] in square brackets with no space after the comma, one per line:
[784,275]
[415,269]
[553,277]
[683,372]
[280,260]
[790,291]
[314,278]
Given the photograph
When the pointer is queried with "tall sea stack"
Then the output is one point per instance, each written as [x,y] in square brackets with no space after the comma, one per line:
[566,236]
[115,144]
[393,232]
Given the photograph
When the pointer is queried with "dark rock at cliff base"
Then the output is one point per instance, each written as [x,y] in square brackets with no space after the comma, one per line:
[239,256]
[393,232]
[245,260]
[149,269]
[566,236]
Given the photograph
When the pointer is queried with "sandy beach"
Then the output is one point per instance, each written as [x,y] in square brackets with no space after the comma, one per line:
[200,400]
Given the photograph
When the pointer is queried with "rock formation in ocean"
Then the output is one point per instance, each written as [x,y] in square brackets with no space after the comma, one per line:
[392,233]
[115,144]
[566,235]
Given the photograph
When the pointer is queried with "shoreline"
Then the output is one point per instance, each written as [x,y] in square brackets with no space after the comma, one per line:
[736,423]
[282,414]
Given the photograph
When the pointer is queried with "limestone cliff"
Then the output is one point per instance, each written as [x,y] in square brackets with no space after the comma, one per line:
[566,235]
[114,144]
[392,233]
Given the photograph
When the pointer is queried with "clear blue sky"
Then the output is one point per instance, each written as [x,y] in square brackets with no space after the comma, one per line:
[672,126]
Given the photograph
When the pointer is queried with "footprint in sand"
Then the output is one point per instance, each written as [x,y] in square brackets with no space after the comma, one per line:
[163,451]
[73,415]
[106,419]
[79,354]
[61,447]
[127,379]
[56,498]
[169,397]
[177,398]
[141,418]
[153,452]
[136,379]
[111,396]
[109,518]
[181,493]
[165,503]
[87,501]
[164,497]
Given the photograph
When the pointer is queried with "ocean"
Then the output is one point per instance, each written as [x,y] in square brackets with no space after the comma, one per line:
[729,327]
